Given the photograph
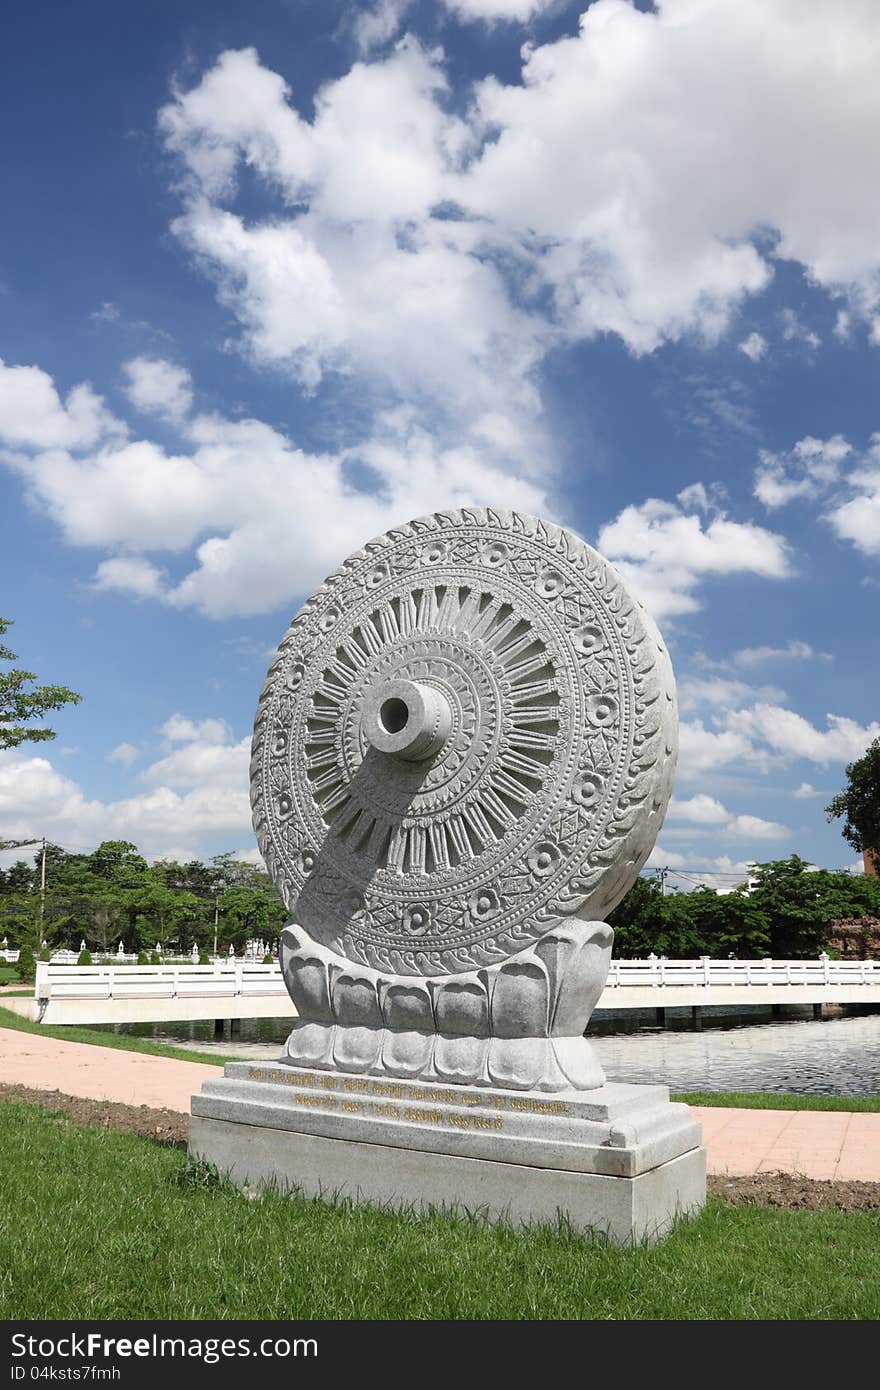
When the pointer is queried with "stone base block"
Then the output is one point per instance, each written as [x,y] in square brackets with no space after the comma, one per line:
[626,1210]
[621,1160]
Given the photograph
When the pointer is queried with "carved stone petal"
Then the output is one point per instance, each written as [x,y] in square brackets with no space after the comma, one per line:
[462,1008]
[304,969]
[406,1053]
[459,1058]
[578,1063]
[357,1049]
[406,1006]
[310,1045]
[519,1063]
[355,1001]
[520,999]
[577,956]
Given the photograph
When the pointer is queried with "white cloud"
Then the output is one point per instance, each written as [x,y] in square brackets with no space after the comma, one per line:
[809,468]
[754,828]
[33,416]
[125,753]
[813,468]
[754,346]
[267,521]
[180,729]
[804,791]
[704,810]
[792,651]
[701,750]
[794,331]
[493,11]
[858,519]
[665,552]
[792,736]
[719,692]
[130,574]
[439,256]
[701,809]
[372,27]
[157,387]
[198,794]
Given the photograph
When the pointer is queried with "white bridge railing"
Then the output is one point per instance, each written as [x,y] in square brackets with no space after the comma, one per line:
[244,978]
[711,973]
[220,981]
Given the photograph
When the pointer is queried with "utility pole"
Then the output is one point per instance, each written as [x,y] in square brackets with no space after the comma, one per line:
[42,891]
[661,874]
[216,891]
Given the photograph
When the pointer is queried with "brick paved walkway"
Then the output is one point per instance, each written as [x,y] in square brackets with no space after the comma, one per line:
[813,1143]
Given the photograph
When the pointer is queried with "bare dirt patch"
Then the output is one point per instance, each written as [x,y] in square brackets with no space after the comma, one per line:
[784,1191]
[788,1192]
[164,1126]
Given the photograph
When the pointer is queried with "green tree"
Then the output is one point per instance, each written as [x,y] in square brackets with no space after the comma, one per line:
[19,703]
[859,802]
[800,902]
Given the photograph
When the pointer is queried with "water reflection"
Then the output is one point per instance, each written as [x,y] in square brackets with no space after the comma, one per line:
[735,1051]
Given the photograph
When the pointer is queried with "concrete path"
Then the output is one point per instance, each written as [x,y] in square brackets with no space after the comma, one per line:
[103,1073]
[812,1143]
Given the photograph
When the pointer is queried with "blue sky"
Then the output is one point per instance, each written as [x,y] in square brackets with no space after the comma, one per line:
[275,277]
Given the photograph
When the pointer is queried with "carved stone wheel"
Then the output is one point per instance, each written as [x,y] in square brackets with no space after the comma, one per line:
[468,732]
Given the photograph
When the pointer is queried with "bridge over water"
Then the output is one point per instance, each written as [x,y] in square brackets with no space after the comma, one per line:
[239,989]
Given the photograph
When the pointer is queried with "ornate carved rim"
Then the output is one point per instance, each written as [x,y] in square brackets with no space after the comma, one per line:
[584,783]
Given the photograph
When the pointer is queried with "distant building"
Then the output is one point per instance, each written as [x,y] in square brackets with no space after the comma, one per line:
[857,939]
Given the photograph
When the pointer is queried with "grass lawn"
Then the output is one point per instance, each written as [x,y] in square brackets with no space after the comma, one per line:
[778,1100]
[75,1033]
[107,1225]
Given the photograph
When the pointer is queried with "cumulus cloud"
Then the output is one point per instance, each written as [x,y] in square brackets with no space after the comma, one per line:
[33,415]
[792,651]
[807,470]
[804,791]
[439,256]
[157,387]
[665,552]
[493,11]
[180,729]
[265,520]
[754,346]
[720,692]
[794,331]
[858,519]
[130,574]
[792,736]
[375,25]
[125,753]
[703,810]
[813,468]
[197,795]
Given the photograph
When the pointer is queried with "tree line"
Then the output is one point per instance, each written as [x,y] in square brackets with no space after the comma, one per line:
[785,912]
[114,895]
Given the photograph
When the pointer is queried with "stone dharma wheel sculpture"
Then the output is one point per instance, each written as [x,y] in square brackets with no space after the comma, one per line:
[462,756]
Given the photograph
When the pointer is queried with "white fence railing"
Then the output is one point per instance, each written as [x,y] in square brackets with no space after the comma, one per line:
[709,972]
[223,981]
[230,979]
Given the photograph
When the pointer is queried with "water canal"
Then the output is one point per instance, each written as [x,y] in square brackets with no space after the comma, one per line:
[735,1051]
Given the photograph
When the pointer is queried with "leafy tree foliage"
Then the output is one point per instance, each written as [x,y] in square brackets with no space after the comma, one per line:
[19,703]
[859,802]
[114,895]
[786,913]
